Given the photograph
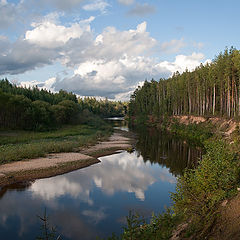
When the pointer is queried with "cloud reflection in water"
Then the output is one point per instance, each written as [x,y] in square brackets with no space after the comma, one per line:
[120,172]
[82,202]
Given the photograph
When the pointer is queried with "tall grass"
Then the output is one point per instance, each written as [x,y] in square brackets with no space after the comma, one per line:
[12,137]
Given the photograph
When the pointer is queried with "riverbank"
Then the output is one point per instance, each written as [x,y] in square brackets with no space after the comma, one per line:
[206,196]
[209,195]
[59,163]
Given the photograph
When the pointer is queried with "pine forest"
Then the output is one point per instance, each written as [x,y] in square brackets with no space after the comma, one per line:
[212,89]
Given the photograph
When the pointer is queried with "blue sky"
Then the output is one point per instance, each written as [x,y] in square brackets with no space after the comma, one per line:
[106,48]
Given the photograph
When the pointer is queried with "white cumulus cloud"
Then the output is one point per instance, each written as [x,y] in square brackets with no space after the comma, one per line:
[48,34]
[112,77]
[113,44]
[183,62]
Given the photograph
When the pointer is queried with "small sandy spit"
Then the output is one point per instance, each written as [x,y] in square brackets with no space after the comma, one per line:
[59,163]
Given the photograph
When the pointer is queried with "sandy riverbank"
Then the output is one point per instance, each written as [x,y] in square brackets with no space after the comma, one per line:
[55,164]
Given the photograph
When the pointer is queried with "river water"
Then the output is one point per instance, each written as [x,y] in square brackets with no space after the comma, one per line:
[94,201]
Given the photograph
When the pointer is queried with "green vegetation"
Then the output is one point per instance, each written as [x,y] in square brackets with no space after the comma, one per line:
[20,145]
[199,191]
[210,90]
[41,110]
[194,133]
[35,122]
[104,108]
[21,136]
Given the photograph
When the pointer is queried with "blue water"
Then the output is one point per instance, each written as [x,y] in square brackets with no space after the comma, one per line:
[89,202]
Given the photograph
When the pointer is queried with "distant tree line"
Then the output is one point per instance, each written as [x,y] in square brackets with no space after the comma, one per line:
[39,109]
[104,108]
[212,89]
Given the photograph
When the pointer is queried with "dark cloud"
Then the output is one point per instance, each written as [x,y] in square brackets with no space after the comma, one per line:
[64,5]
[76,49]
[22,56]
[88,87]
[140,10]
[9,14]
[126,2]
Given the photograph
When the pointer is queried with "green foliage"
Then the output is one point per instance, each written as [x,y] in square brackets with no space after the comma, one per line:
[59,114]
[35,109]
[41,110]
[41,115]
[36,94]
[199,191]
[140,120]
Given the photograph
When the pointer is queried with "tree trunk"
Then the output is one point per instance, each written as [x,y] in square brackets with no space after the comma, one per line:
[214,98]
[228,99]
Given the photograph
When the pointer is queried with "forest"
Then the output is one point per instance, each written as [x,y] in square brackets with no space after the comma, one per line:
[40,109]
[212,89]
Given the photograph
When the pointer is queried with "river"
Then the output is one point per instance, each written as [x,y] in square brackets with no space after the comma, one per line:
[94,201]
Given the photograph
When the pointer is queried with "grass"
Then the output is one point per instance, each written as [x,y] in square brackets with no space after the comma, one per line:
[18,145]
[20,136]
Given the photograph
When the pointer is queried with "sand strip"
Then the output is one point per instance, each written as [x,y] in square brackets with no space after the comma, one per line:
[59,163]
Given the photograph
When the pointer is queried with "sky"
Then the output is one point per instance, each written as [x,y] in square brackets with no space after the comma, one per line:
[106,48]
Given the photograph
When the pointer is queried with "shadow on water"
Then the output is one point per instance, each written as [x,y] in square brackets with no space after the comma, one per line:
[21,186]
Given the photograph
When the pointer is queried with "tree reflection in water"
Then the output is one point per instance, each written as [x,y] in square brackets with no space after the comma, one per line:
[162,148]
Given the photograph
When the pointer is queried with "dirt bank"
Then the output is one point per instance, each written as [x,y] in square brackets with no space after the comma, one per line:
[224,126]
[55,164]
[227,225]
